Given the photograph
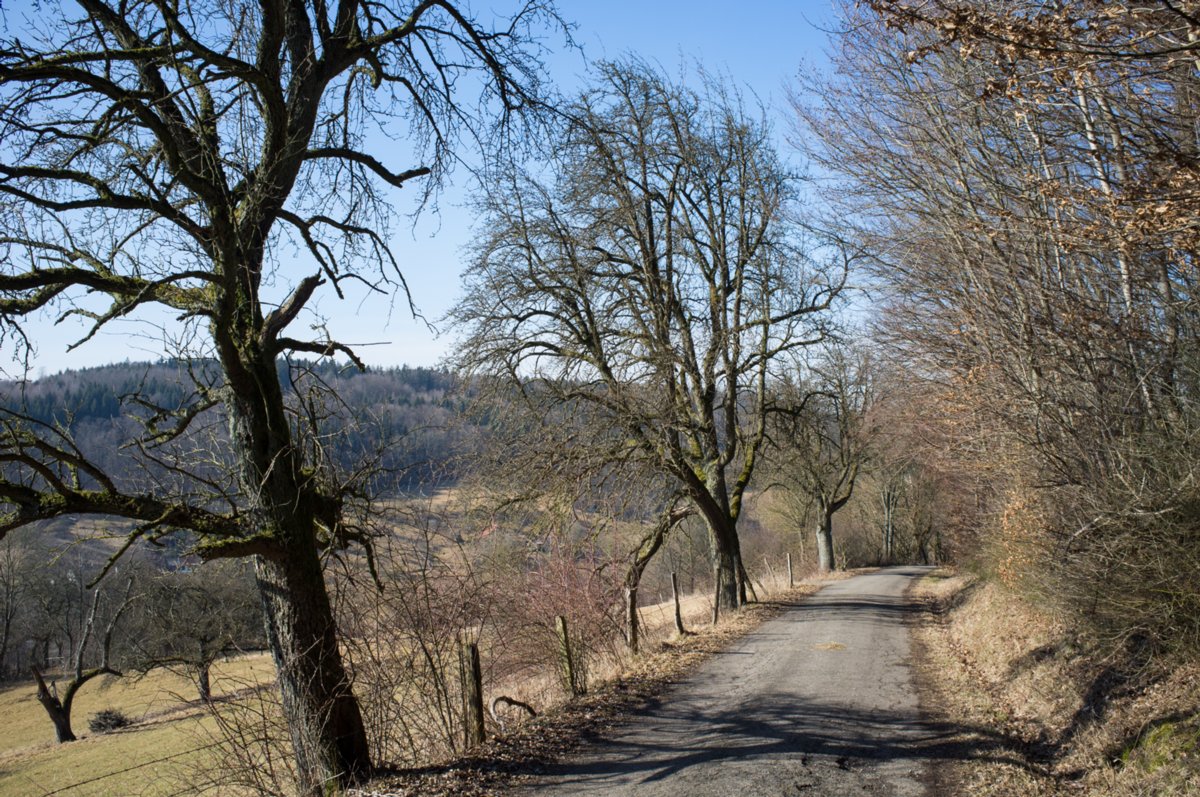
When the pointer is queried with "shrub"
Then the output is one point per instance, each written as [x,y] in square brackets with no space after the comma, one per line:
[110,719]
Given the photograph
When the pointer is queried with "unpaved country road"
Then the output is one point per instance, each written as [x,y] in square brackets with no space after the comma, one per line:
[816,702]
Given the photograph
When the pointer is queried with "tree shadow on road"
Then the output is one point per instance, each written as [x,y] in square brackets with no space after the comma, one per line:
[765,732]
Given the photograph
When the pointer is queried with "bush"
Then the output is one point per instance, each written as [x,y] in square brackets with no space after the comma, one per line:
[110,719]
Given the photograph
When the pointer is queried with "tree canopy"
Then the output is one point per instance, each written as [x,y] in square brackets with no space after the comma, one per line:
[652,268]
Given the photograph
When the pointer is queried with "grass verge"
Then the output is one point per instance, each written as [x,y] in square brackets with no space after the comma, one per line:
[1038,709]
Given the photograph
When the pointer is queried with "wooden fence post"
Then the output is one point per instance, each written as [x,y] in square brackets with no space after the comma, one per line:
[566,659]
[631,618]
[717,599]
[472,691]
[679,629]
[791,581]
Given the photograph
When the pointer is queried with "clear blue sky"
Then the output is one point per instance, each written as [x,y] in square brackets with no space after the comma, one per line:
[758,43]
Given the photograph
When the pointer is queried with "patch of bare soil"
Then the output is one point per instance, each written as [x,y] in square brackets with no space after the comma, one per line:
[508,760]
[1039,710]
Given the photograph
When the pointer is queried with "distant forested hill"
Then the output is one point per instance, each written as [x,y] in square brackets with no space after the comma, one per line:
[399,418]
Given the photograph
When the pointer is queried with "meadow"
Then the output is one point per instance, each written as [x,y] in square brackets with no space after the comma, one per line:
[170,735]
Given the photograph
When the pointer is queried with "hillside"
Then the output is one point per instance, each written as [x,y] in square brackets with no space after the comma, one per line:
[1033,705]
[401,418]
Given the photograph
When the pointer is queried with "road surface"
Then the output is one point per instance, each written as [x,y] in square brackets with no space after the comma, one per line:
[816,702]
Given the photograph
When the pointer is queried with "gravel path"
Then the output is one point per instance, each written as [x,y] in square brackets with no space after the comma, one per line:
[816,702]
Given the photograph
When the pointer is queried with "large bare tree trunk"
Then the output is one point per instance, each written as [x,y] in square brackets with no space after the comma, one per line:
[713,505]
[204,681]
[726,556]
[633,580]
[825,561]
[632,621]
[58,710]
[326,726]
[328,737]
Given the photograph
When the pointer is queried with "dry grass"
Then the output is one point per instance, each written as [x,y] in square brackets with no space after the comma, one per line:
[1042,711]
[143,759]
[544,690]
[140,762]
[508,760]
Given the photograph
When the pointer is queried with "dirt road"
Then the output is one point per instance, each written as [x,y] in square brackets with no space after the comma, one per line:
[817,702]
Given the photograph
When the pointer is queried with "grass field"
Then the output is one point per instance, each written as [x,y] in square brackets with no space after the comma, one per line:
[151,757]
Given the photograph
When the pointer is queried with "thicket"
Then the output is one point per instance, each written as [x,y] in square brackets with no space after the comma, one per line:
[109,719]
[1025,177]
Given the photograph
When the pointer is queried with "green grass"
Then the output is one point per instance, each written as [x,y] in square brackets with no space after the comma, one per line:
[1162,745]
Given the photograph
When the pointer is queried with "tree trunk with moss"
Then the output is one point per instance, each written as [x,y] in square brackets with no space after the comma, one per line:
[297,517]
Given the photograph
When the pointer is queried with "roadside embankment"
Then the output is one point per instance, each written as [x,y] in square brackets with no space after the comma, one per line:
[1041,709]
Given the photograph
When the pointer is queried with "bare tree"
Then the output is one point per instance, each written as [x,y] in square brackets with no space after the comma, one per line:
[157,154]
[59,707]
[825,442]
[651,271]
[1025,175]
[188,620]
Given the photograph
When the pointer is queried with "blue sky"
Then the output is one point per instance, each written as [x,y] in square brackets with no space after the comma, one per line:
[757,43]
